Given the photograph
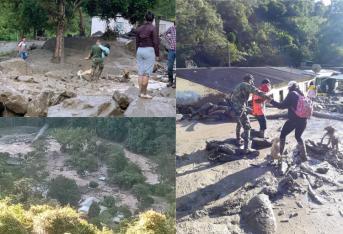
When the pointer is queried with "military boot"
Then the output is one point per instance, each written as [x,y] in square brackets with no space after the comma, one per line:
[239,140]
[261,134]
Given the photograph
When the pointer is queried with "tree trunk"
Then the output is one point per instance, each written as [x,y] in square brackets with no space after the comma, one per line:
[59,47]
[81,24]
[157,24]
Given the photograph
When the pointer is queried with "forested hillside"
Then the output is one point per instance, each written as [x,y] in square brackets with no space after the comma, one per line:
[259,32]
[87,175]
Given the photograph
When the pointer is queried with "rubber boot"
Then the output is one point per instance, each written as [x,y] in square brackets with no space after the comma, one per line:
[302,151]
[261,134]
[247,143]
[239,140]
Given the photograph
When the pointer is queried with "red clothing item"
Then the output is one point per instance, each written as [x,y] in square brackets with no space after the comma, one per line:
[258,103]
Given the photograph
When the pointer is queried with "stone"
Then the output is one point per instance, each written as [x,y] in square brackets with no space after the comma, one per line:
[259,216]
[260,143]
[156,107]
[281,212]
[86,106]
[322,170]
[17,66]
[13,100]
[38,107]
[122,99]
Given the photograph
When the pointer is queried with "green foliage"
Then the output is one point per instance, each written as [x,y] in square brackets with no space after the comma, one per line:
[94,210]
[109,202]
[93,184]
[126,179]
[64,190]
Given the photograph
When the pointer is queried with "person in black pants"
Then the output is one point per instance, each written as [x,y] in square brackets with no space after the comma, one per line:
[294,122]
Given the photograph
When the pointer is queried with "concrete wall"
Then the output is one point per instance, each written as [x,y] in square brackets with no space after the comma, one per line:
[122,24]
[185,87]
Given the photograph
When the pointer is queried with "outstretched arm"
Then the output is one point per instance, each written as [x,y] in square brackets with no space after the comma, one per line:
[287,103]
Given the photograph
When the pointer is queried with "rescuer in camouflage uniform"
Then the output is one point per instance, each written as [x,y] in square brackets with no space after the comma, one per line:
[239,99]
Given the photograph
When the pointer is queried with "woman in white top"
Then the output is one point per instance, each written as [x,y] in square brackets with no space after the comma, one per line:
[22,48]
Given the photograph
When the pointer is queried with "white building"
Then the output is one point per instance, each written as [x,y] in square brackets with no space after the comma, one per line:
[122,25]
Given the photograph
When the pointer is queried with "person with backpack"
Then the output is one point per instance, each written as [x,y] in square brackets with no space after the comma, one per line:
[22,49]
[259,106]
[299,110]
[97,54]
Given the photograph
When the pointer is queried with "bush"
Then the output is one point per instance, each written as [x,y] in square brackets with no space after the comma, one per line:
[94,210]
[64,190]
[146,202]
[126,179]
[109,202]
[151,222]
[9,224]
[93,184]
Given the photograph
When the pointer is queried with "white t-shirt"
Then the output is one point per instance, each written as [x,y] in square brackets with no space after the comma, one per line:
[22,46]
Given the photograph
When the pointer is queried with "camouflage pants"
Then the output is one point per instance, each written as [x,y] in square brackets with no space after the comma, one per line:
[97,67]
[243,121]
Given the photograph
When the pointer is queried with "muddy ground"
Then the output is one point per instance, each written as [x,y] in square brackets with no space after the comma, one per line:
[24,84]
[16,141]
[210,195]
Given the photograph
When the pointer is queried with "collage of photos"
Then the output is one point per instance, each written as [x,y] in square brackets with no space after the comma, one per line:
[259,116]
[171,117]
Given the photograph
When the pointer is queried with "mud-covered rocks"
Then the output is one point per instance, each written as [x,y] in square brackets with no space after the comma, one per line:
[259,216]
[38,107]
[16,66]
[124,98]
[156,107]
[86,106]
[13,100]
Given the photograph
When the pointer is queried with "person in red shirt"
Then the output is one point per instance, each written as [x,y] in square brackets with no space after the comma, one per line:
[258,104]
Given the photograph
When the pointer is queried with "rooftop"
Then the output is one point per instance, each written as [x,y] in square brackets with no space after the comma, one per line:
[224,79]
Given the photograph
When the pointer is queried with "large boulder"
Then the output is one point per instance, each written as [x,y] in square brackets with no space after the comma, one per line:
[124,98]
[156,107]
[16,66]
[86,106]
[38,107]
[13,100]
[259,216]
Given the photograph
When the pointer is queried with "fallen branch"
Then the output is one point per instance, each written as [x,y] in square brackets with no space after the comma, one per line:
[311,172]
[317,199]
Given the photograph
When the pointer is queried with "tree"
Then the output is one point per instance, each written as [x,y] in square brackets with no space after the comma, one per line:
[64,190]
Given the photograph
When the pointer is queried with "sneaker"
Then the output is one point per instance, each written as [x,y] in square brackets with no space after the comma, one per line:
[170,84]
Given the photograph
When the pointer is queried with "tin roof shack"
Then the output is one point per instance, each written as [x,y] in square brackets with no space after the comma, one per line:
[224,79]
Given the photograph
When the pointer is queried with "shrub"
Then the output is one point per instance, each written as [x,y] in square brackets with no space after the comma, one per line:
[126,179]
[146,202]
[94,210]
[151,222]
[109,202]
[64,190]
[93,184]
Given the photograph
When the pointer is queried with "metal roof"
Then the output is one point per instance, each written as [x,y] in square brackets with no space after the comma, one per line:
[224,79]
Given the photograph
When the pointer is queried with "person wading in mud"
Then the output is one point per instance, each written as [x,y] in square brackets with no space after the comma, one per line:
[22,48]
[239,99]
[259,106]
[147,46]
[97,54]
[294,122]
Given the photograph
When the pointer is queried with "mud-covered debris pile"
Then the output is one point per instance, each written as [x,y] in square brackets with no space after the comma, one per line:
[332,104]
[227,150]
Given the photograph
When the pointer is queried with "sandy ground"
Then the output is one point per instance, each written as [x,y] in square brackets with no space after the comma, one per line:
[201,185]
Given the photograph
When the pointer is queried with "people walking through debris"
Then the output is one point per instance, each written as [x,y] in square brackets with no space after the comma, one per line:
[97,54]
[147,46]
[259,106]
[22,48]
[170,36]
[239,99]
[298,113]
[312,91]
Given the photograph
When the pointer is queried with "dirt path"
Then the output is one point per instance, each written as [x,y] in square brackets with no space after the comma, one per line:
[200,186]
[147,166]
